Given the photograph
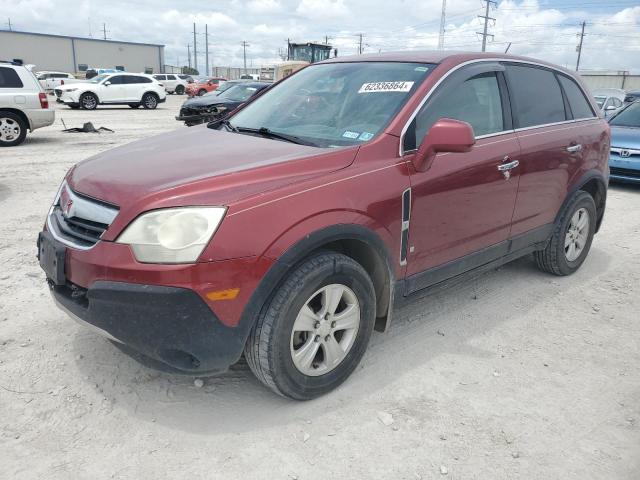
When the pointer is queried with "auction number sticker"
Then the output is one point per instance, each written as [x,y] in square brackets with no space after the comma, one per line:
[385,87]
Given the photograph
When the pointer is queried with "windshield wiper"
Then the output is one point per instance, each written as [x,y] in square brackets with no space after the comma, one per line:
[225,122]
[265,132]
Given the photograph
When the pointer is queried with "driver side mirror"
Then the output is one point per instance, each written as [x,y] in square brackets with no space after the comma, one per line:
[446,135]
[610,107]
[107,83]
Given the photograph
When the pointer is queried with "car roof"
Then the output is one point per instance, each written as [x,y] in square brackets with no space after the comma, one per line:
[438,56]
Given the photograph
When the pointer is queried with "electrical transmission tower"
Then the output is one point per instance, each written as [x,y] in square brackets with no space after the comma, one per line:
[486,17]
[442,22]
[579,47]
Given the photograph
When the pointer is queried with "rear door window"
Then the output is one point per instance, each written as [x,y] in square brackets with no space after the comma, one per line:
[536,95]
[577,101]
[9,78]
[137,79]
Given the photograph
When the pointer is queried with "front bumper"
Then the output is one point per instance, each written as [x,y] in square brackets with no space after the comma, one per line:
[624,169]
[170,325]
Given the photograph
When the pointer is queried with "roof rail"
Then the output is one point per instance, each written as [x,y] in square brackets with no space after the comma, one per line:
[15,61]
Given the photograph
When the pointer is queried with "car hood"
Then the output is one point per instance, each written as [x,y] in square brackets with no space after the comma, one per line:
[199,166]
[625,137]
[208,100]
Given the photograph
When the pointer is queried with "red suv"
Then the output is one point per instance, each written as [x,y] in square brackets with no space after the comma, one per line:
[287,229]
[199,88]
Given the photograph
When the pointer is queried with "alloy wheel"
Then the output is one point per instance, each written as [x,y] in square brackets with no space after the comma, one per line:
[89,102]
[325,330]
[9,129]
[577,234]
[150,101]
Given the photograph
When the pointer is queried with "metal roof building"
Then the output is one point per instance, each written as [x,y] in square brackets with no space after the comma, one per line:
[74,54]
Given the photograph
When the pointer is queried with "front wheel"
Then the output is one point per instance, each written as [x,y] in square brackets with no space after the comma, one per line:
[149,101]
[88,101]
[314,331]
[571,238]
[180,90]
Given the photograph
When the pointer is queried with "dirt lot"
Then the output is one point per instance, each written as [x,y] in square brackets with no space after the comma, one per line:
[515,374]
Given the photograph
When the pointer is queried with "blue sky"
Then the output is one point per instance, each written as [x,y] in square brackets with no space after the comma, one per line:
[544,29]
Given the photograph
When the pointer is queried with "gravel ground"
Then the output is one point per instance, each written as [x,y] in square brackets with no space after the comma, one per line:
[516,374]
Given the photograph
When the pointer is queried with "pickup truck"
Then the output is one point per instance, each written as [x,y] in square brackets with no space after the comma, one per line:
[52,80]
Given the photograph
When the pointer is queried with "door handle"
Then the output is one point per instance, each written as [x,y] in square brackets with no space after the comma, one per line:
[574,148]
[505,167]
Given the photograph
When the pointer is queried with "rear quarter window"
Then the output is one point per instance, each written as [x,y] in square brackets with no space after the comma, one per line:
[579,104]
[537,96]
[9,78]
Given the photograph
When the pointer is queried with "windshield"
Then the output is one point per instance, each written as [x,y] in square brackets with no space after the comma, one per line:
[335,104]
[99,78]
[238,93]
[600,100]
[629,117]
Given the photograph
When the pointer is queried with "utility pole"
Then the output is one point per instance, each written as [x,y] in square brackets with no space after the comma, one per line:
[326,39]
[189,55]
[206,48]
[486,23]
[508,47]
[288,48]
[195,48]
[104,31]
[9,24]
[443,17]
[360,35]
[244,54]
[579,47]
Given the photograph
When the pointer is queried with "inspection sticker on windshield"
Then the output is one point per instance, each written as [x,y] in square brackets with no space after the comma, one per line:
[385,87]
[349,134]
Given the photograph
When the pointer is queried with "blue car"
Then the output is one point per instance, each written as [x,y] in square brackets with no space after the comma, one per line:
[624,160]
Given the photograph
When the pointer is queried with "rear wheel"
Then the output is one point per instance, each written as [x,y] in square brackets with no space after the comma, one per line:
[13,129]
[314,331]
[149,101]
[571,239]
[88,101]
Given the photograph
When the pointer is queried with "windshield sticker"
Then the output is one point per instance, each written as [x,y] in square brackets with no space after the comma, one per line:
[364,136]
[385,87]
[352,135]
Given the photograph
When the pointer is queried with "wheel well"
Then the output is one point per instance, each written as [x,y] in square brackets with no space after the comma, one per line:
[375,265]
[152,93]
[19,113]
[598,192]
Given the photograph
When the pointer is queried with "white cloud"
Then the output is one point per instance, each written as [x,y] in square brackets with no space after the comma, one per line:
[264,6]
[325,9]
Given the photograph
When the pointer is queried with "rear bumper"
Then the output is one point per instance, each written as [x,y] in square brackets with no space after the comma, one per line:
[170,325]
[39,118]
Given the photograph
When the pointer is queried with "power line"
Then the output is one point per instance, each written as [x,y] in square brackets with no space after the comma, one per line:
[486,23]
[579,48]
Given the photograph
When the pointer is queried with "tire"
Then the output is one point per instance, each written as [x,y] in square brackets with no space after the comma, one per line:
[150,101]
[134,105]
[558,257]
[13,129]
[88,101]
[180,90]
[201,92]
[273,341]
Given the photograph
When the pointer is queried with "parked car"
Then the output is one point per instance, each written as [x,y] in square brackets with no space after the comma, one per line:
[94,72]
[609,100]
[172,83]
[130,89]
[204,86]
[23,104]
[51,80]
[250,76]
[631,97]
[624,161]
[287,230]
[224,86]
[197,110]
[186,78]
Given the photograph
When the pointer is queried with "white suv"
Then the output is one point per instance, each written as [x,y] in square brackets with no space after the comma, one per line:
[133,89]
[51,80]
[23,104]
[172,83]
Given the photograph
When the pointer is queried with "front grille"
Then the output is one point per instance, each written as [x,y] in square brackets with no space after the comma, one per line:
[79,221]
[82,231]
[624,172]
[58,92]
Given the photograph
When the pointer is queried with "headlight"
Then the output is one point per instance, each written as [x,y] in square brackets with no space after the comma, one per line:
[172,235]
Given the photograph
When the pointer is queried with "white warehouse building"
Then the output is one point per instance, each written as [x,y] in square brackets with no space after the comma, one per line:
[75,54]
